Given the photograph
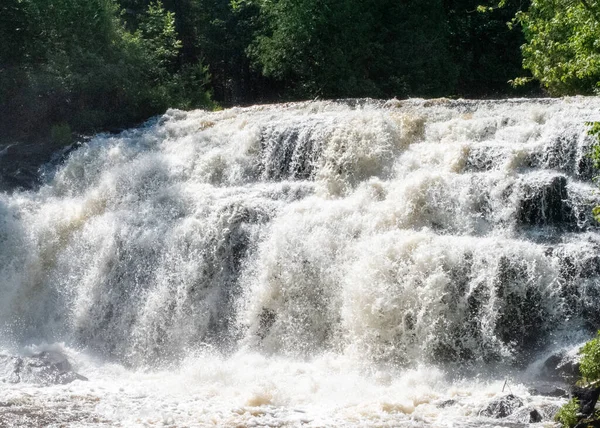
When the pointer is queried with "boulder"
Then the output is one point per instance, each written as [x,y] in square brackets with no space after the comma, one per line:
[45,368]
[561,366]
[535,416]
[527,415]
[587,396]
[501,407]
[549,391]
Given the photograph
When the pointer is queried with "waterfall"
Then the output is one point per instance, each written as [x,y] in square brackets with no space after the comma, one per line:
[395,234]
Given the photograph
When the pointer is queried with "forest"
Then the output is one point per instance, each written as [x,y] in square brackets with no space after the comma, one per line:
[84,66]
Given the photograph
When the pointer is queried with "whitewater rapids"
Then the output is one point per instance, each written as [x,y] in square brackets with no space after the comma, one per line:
[351,263]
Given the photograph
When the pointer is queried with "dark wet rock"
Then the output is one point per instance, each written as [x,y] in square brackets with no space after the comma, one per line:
[566,154]
[535,416]
[527,415]
[46,368]
[546,204]
[587,396]
[445,403]
[585,168]
[560,366]
[550,387]
[24,165]
[522,319]
[560,154]
[550,392]
[588,423]
[20,164]
[501,407]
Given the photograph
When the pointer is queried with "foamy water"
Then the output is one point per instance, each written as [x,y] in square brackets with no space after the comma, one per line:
[249,389]
[308,264]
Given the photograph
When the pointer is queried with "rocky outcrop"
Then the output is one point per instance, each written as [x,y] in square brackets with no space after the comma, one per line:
[45,368]
[501,407]
[550,390]
[23,165]
[515,410]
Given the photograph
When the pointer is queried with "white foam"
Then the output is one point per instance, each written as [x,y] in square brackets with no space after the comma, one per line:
[340,262]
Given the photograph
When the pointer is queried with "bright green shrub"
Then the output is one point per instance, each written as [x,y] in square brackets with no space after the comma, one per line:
[590,360]
[567,415]
[562,49]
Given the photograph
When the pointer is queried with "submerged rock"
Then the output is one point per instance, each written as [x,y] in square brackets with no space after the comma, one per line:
[546,204]
[528,415]
[446,403]
[549,410]
[45,368]
[549,391]
[501,407]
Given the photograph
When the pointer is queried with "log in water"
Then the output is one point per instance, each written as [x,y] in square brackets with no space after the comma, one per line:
[324,263]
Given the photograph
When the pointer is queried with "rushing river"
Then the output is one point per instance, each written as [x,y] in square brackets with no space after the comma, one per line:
[355,263]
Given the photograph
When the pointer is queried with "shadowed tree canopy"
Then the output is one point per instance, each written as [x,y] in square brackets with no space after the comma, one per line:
[214,34]
[485,49]
[334,48]
[73,63]
[91,65]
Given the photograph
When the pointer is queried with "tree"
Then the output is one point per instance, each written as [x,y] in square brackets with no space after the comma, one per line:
[74,64]
[355,48]
[487,52]
[217,35]
[563,48]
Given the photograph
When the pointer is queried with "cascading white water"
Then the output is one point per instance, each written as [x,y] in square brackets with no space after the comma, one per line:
[328,246]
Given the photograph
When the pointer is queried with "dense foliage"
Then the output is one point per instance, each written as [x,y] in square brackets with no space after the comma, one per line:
[356,48]
[73,63]
[212,32]
[89,65]
[484,47]
[590,360]
[563,48]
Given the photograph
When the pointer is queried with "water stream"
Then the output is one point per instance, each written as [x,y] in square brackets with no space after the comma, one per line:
[352,263]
